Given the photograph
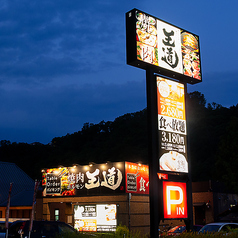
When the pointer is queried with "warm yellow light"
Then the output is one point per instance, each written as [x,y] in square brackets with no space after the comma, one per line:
[86,167]
[119,165]
[104,166]
[73,169]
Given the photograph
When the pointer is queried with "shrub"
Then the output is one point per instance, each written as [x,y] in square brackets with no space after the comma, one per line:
[122,231]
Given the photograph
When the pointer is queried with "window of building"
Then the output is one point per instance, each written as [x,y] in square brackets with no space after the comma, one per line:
[56,214]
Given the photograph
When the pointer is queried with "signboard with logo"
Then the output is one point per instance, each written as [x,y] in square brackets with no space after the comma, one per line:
[118,177]
[137,178]
[172,126]
[175,200]
[84,180]
[169,50]
[96,217]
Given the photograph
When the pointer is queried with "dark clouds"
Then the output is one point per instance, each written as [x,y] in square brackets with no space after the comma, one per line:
[51,112]
[50,39]
[62,63]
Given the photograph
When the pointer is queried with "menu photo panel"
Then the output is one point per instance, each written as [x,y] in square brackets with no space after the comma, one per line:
[172,126]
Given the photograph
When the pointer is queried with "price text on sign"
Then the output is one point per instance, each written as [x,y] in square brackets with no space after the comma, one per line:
[172,126]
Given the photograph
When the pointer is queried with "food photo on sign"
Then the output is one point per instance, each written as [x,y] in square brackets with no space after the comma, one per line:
[146,33]
[190,52]
[173,161]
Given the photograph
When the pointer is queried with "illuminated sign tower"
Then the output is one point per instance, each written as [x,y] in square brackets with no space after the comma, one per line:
[171,57]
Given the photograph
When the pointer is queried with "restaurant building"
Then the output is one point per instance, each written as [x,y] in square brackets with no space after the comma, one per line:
[98,197]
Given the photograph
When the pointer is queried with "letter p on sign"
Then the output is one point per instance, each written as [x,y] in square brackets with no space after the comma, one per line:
[175,200]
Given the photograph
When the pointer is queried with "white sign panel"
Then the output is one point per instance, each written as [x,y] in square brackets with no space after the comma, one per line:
[169,47]
[95,217]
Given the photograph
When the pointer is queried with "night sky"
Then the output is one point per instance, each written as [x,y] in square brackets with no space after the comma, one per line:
[63,63]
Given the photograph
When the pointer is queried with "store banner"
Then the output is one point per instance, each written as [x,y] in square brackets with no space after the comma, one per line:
[37,184]
[84,180]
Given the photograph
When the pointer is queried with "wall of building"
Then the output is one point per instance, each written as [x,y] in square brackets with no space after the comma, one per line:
[203,202]
[16,213]
[133,212]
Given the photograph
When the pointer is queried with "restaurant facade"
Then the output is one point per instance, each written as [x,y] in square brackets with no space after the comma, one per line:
[97,197]
[100,197]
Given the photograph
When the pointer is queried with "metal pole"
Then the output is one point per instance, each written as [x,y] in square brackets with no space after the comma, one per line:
[37,183]
[152,117]
[8,210]
[189,221]
[129,212]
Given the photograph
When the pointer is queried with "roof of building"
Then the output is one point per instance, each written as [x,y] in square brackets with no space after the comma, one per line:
[229,215]
[22,185]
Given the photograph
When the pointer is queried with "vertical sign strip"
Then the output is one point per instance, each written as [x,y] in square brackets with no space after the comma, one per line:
[172,126]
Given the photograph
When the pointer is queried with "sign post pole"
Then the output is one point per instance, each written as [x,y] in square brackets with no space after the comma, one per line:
[189,222]
[8,210]
[152,152]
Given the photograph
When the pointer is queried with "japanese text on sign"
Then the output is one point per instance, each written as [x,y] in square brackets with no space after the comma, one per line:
[172,126]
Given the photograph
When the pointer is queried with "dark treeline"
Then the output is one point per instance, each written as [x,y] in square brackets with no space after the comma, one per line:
[212,141]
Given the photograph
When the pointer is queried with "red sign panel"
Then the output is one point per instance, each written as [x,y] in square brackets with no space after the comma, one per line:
[175,200]
[137,178]
[163,176]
